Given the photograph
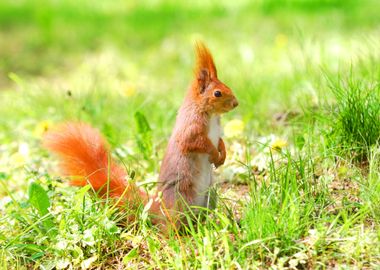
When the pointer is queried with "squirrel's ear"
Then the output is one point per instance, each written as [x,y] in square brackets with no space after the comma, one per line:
[205,69]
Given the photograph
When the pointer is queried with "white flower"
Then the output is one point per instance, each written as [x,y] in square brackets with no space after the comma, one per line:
[88,262]
[88,237]
[61,245]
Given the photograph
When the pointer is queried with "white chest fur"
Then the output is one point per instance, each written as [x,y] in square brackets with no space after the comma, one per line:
[205,173]
[214,130]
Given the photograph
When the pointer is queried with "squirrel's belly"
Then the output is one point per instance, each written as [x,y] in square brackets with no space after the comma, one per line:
[204,180]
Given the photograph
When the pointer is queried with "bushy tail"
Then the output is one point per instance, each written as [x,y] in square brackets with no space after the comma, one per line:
[85,158]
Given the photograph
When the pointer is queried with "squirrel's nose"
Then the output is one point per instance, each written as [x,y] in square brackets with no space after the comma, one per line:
[235,103]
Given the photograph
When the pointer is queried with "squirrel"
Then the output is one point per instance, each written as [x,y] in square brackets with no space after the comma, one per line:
[194,147]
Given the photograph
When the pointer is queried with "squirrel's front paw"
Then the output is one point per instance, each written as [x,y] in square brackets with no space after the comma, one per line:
[217,160]
[220,161]
[222,153]
[214,157]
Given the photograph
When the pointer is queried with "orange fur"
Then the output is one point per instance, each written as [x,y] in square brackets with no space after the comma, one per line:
[186,170]
[204,60]
[181,175]
[85,158]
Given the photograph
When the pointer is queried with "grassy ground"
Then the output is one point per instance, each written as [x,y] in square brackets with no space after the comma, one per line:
[301,185]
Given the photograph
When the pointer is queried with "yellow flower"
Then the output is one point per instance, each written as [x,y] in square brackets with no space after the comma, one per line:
[278,144]
[18,160]
[281,40]
[42,127]
[234,128]
[129,91]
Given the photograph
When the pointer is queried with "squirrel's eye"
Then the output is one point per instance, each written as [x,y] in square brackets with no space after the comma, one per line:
[218,93]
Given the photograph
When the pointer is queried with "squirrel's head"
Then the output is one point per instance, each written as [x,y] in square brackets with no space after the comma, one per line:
[213,95]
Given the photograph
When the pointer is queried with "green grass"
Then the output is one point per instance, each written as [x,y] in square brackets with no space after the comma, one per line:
[358,113]
[301,184]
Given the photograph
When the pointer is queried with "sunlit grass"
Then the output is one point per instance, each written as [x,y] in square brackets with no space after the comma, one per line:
[292,192]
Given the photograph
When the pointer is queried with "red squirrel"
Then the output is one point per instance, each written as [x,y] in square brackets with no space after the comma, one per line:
[186,171]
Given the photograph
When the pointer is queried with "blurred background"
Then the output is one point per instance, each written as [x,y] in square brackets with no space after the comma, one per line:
[100,61]
[46,38]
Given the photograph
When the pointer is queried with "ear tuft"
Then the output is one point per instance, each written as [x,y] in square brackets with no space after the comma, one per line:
[205,68]
[203,79]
